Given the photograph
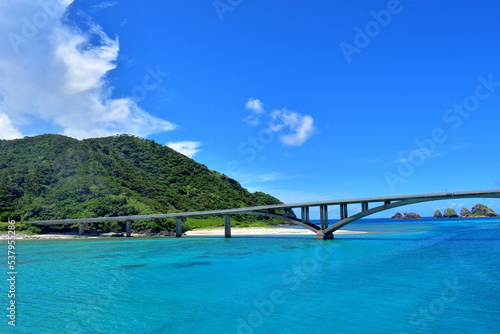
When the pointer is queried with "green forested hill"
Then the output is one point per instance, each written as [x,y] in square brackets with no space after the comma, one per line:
[57,177]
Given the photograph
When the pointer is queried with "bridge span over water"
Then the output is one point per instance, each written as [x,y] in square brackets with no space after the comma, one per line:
[284,212]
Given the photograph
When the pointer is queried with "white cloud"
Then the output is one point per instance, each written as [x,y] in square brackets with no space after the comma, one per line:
[85,68]
[252,120]
[56,75]
[104,5]
[301,127]
[7,130]
[188,148]
[255,106]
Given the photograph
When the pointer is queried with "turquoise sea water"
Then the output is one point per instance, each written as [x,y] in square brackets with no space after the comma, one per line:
[422,276]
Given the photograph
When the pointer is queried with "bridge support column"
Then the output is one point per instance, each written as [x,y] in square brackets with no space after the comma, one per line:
[227,226]
[304,214]
[343,211]
[128,225]
[178,227]
[322,236]
[364,206]
[323,215]
[81,228]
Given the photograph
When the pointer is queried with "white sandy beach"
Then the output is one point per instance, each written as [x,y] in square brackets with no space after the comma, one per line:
[236,231]
[260,231]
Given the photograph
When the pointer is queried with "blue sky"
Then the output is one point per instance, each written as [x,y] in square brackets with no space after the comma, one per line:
[305,100]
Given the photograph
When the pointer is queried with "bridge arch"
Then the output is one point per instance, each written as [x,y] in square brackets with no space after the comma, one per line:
[325,234]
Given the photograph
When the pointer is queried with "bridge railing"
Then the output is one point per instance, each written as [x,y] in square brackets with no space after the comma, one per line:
[392,197]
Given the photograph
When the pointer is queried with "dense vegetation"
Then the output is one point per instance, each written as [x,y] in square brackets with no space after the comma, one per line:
[450,213]
[57,177]
[481,210]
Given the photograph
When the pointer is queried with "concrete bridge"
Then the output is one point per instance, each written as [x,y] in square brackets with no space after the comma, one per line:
[324,231]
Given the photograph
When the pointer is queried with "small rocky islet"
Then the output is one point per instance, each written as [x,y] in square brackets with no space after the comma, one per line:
[479,210]
[407,215]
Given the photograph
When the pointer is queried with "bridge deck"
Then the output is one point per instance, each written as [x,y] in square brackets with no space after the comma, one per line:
[249,210]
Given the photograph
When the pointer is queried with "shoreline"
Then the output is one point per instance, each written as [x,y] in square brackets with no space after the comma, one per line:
[219,231]
[216,231]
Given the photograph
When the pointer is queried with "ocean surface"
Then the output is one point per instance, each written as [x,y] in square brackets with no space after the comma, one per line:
[421,276]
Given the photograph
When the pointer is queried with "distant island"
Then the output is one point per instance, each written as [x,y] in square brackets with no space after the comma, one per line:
[479,210]
[407,215]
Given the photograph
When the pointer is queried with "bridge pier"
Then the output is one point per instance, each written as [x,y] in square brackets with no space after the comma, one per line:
[227,226]
[178,227]
[343,211]
[323,215]
[128,226]
[364,206]
[304,214]
[81,228]
[320,235]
